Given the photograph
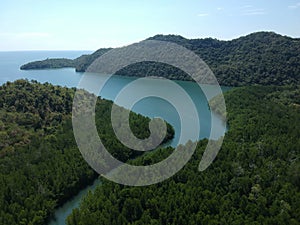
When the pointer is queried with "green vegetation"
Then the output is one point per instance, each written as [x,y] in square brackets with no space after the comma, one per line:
[260,58]
[80,64]
[83,62]
[255,178]
[40,164]
[264,58]
[49,63]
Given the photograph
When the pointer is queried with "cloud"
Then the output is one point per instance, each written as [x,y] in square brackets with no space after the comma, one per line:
[249,10]
[254,12]
[296,6]
[203,14]
[246,6]
[219,8]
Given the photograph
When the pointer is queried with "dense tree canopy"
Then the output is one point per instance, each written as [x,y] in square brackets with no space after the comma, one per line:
[259,58]
[40,164]
[255,178]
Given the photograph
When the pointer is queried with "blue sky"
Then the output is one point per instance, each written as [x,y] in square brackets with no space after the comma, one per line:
[89,25]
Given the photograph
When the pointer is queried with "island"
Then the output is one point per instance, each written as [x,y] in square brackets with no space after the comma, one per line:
[259,58]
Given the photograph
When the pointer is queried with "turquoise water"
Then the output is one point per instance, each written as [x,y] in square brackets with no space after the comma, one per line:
[151,106]
[10,63]
[62,212]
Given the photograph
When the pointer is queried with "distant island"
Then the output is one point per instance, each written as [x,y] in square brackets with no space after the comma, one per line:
[263,58]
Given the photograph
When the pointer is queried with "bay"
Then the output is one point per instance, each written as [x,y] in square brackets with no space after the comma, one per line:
[10,63]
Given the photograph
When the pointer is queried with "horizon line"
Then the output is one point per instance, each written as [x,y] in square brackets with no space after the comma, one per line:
[188,38]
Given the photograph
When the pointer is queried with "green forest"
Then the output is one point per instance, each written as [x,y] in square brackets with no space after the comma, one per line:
[264,58]
[255,178]
[40,164]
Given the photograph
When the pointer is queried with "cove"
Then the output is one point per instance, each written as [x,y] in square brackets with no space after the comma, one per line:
[151,106]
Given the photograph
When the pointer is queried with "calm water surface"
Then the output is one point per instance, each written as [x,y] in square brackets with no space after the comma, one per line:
[151,106]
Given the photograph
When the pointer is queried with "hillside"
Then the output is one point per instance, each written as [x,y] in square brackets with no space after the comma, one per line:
[259,58]
[41,166]
[255,178]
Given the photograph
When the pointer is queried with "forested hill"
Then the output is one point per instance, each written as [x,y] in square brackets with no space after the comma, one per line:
[40,164]
[259,58]
[255,179]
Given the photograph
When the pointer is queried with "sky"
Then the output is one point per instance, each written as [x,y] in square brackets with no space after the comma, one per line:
[93,24]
